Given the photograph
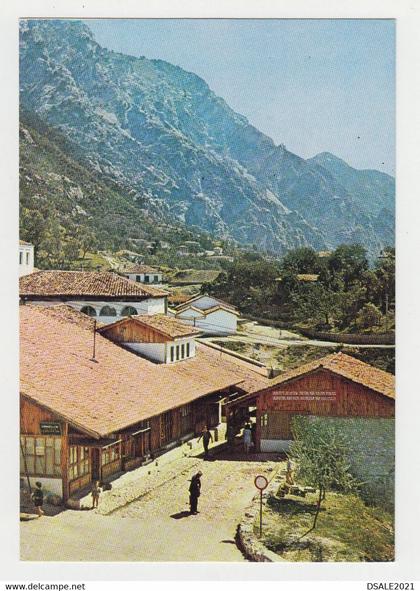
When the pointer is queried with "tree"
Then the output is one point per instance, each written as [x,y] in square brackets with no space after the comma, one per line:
[300,260]
[369,316]
[349,261]
[315,302]
[320,451]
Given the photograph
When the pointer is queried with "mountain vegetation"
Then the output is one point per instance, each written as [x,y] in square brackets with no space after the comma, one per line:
[168,148]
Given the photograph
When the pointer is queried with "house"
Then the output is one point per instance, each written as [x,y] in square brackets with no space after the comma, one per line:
[100,294]
[26,258]
[144,274]
[337,385]
[158,337]
[211,315]
[90,408]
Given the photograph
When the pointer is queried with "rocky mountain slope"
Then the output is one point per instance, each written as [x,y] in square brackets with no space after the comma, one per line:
[162,132]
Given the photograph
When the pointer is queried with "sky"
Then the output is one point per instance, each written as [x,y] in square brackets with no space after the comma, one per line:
[314,85]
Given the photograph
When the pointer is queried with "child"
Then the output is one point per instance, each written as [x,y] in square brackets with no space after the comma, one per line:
[96,491]
[38,498]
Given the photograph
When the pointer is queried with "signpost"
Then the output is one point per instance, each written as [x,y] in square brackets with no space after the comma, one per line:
[261,483]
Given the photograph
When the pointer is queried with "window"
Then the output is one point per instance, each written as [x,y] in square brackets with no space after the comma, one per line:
[172,354]
[182,351]
[138,278]
[146,279]
[188,349]
[156,279]
[79,461]
[110,454]
[177,352]
[89,310]
[27,258]
[42,455]
[129,311]
[107,311]
[20,258]
[264,420]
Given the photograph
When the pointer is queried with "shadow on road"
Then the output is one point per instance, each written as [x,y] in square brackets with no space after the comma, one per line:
[181,515]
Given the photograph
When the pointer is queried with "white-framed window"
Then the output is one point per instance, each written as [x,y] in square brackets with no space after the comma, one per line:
[188,349]
[20,257]
[172,354]
[27,258]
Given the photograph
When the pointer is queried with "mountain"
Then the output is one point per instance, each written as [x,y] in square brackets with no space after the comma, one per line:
[162,132]
[67,206]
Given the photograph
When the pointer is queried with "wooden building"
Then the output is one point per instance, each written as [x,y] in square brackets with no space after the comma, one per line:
[90,408]
[337,385]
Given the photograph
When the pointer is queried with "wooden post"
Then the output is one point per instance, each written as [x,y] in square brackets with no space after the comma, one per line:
[261,504]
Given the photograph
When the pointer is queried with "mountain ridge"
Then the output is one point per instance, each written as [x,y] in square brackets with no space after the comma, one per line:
[165,133]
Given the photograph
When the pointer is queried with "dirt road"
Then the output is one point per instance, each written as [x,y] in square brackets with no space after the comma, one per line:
[157,526]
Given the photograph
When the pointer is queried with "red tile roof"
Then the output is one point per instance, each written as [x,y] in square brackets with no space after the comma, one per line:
[164,325]
[84,284]
[349,367]
[187,303]
[117,390]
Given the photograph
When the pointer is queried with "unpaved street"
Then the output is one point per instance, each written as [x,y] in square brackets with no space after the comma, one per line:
[156,527]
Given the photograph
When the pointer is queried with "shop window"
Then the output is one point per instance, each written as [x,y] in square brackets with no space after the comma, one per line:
[89,310]
[42,455]
[79,462]
[110,454]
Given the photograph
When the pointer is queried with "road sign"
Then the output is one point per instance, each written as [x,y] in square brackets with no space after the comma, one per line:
[261,482]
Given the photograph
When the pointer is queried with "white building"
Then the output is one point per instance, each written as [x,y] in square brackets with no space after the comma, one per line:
[26,258]
[212,316]
[159,338]
[144,274]
[103,295]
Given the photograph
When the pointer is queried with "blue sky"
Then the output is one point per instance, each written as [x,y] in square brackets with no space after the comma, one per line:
[314,85]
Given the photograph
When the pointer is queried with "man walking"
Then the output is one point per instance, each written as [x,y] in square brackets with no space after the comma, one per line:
[195,491]
[207,437]
[38,498]
[247,438]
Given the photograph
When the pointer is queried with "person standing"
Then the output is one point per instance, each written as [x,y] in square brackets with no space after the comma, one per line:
[38,498]
[96,491]
[207,437]
[247,438]
[195,491]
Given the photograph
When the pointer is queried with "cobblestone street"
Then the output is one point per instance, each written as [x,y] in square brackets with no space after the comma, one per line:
[156,524]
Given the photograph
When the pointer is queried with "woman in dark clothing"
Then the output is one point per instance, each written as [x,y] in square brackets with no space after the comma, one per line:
[195,487]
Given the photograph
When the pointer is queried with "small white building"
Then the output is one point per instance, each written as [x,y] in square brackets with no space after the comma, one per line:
[159,338]
[211,315]
[144,274]
[102,295]
[26,258]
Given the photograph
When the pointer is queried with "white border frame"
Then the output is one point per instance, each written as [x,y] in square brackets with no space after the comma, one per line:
[406,12]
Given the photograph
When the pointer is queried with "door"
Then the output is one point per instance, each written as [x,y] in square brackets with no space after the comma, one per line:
[166,423]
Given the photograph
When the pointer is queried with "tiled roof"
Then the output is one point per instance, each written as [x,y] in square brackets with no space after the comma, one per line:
[165,325]
[349,367]
[84,284]
[119,388]
[197,297]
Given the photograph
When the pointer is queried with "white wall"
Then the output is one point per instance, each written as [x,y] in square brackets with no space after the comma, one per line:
[26,255]
[153,351]
[151,276]
[49,485]
[161,352]
[219,322]
[205,302]
[150,306]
